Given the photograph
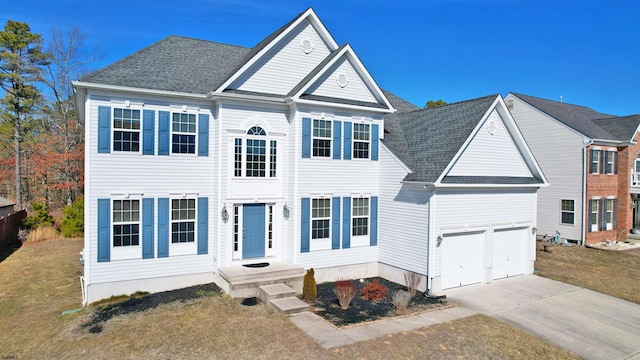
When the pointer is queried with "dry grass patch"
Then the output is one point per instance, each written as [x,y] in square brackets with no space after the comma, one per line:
[40,280]
[43,233]
[611,272]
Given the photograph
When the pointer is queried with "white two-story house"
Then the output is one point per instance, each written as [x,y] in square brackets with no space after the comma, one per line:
[203,157]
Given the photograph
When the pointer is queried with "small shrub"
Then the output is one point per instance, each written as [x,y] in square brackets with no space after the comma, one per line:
[40,216]
[374,291]
[345,290]
[400,299]
[72,225]
[309,289]
[412,281]
[42,233]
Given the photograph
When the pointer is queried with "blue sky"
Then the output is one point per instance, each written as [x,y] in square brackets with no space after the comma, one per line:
[586,51]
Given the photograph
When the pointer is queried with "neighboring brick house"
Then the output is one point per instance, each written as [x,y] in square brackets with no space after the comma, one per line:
[591,162]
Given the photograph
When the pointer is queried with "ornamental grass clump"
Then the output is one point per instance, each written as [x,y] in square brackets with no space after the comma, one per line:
[400,299]
[412,280]
[374,291]
[345,290]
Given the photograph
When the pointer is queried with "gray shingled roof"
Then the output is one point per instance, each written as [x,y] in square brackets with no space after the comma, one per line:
[621,128]
[174,64]
[427,140]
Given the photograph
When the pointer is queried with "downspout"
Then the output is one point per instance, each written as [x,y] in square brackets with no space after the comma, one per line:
[584,192]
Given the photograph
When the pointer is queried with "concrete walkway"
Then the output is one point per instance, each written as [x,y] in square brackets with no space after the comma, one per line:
[587,323]
[329,336]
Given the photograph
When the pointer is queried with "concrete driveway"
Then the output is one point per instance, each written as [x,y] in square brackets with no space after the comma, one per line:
[587,323]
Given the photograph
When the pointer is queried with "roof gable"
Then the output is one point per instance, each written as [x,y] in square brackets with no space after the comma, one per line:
[303,42]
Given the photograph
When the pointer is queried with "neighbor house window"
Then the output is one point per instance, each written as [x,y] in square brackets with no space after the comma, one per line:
[609,162]
[594,161]
[183,133]
[593,214]
[320,218]
[608,213]
[360,217]
[253,156]
[568,212]
[183,220]
[126,130]
[322,138]
[126,223]
[361,139]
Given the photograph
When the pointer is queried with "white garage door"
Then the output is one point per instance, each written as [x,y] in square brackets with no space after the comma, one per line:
[509,252]
[462,255]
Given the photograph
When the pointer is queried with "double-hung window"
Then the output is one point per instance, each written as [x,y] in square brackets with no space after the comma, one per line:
[360,217]
[568,212]
[253,153]
[321,138]
[593,214]
[183,221]
[126,130]
[183,133]
[609,162]
[320,224]
[361,140]
[609,209]
[594,162]
[126,223]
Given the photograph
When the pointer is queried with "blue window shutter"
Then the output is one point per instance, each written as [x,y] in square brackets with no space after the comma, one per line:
[346,222]
[104,129]
[305,232]
[163,227]
[104,230]
[615,162]
[147,228]
[337,139]
[347,140]
[163,133]
[148,129]
[306,138]
[203,225]
[374,142]
[373,234]
[203,135]
[335,223]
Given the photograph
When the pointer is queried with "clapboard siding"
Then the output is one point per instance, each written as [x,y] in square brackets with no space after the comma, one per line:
[491,154]
[548,139]
[404,219]
[328,85]
[286,64]
[333,258]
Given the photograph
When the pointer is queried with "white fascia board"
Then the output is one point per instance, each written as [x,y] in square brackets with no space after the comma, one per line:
[474,186]
[128,89]
[467,141]
[610,142]
[247,97]
[313,19]
[343,106]
[518,138]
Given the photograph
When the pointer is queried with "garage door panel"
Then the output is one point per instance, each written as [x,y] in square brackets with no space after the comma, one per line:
[461,259]
[509,252]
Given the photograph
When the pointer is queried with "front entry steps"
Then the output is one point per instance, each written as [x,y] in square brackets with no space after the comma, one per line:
[282,298]
[243,282]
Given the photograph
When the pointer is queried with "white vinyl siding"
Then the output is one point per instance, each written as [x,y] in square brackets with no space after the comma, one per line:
[329,86]
[285,65]
[491,154]
[547,138]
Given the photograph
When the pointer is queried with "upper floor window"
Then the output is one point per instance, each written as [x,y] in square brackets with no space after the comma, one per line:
[126,223]
[609,162]
[253,155]
[594,162]
[183,133]
[126,130]
[322,138]
[568,212]
[361,139]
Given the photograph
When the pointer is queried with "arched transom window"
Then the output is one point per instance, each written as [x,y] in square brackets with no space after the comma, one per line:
[252,152]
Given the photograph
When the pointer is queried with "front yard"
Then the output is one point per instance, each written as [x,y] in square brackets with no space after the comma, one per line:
[40,280]
[616,273]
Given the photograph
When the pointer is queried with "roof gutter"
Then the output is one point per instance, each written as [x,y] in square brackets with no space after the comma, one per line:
[429,186]
[128,89]
[345,106]
[610,142]
[212,95]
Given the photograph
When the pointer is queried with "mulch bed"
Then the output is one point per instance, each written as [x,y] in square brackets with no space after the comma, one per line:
[361,310]
[103,313]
